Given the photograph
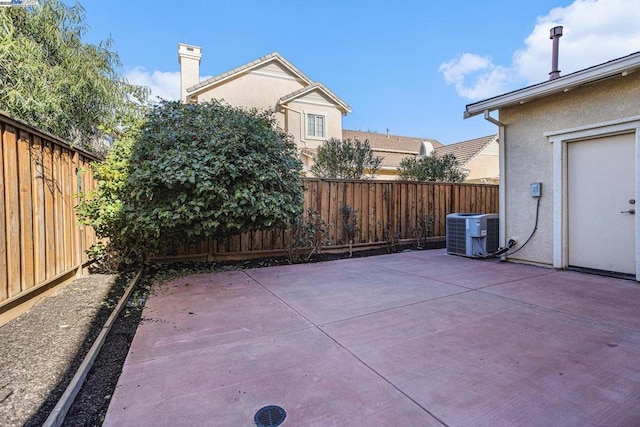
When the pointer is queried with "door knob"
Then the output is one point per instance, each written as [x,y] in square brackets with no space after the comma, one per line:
[630,211]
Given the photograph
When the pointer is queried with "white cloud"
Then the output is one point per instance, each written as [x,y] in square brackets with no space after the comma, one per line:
[163,84]
[486,78]
[595,31]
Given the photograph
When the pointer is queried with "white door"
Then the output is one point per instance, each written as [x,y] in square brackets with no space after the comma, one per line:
[601,203]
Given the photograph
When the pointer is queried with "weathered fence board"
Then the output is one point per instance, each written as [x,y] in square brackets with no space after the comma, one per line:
[12,209]
[384,208]
[3,226]
[40,241]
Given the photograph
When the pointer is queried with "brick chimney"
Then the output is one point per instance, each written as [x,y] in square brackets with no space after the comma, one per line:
[189,60]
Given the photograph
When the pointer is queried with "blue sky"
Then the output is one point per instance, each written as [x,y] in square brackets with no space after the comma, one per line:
[409,66]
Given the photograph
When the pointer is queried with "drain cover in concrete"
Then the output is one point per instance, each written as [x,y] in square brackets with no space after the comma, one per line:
[269,416]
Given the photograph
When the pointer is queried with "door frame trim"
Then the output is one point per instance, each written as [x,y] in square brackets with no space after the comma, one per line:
[560,139]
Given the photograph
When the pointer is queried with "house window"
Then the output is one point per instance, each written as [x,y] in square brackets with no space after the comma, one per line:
[315,126]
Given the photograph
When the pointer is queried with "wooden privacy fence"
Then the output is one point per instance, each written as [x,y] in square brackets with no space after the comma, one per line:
[40,242]
[385,209]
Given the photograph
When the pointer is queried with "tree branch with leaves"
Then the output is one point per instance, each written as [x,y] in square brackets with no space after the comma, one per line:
[432,168]
[345,159]
[54,81]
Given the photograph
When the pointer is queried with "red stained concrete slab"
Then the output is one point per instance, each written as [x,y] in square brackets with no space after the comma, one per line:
[336,290]
[474,359]
[614,301]
[417,338]
[209,309]
[316,381]
[460,271]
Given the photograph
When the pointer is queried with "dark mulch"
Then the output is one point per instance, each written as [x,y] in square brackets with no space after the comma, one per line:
[31,386]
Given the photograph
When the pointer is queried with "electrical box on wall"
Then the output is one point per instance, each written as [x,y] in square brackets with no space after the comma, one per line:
[536,189]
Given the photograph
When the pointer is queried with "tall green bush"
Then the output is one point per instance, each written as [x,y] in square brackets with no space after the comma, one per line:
[432,168]
[345,159]
[196,172]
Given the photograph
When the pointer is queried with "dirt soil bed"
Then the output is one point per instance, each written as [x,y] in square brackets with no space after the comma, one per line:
[41,350]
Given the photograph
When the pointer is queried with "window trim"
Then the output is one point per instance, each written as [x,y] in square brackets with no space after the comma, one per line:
[308,134]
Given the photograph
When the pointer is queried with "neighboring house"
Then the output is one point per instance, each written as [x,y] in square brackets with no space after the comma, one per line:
[392,149]
[307,110]
[579,136]
[479,158]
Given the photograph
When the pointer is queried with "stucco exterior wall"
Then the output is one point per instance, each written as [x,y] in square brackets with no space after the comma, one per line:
[485,167]
[528,155]
[333,120]
[263,87]
[260,88]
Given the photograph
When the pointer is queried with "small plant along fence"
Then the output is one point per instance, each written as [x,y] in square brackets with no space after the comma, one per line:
[40,242]
[387,212]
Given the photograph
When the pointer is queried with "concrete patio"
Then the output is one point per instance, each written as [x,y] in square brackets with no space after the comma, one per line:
[411,339]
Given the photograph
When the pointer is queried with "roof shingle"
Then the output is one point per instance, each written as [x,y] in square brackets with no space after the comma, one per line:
[465,151]
[382,142]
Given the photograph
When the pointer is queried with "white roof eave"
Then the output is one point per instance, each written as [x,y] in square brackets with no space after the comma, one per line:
[346,109]
[621,66]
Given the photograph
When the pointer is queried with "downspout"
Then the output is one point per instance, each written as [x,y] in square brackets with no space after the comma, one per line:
[503,172]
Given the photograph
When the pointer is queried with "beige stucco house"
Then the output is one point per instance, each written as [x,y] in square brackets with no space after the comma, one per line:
[478,157]
[579,136]
[307,110]
[310,112]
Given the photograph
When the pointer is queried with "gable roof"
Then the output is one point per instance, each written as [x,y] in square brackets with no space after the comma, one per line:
[390,143]
[616,67]
[272,57]
[466,151]
[319,87]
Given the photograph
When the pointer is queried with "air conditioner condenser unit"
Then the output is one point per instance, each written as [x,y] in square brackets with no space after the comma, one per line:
[471,234]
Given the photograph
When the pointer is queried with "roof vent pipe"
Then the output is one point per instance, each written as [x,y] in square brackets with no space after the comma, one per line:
[556,33]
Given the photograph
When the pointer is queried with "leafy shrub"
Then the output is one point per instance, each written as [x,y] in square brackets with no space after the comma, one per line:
[345,159]
[102,207]
[350,225]
[423,230]
[307,234]
[390,237]
[196,172]
[432,168]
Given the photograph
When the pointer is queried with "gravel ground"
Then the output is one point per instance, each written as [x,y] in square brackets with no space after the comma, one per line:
[41,350]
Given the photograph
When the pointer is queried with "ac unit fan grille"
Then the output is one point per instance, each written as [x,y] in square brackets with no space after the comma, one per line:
[493,234]
[456,236]
[472,235]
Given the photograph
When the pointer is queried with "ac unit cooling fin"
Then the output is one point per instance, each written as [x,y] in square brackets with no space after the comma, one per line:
[472,235]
